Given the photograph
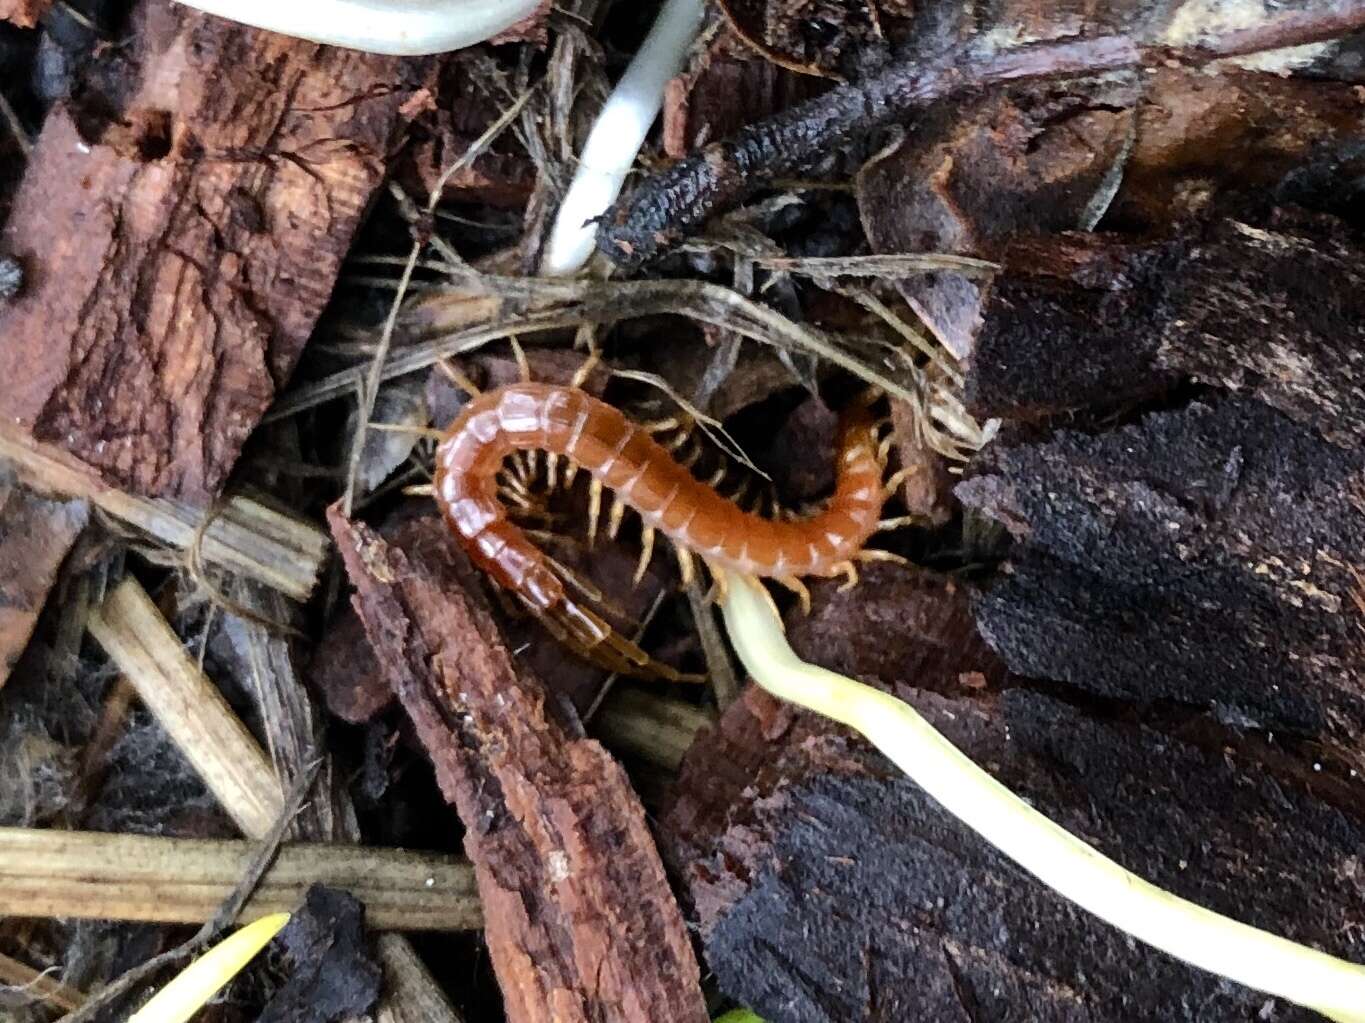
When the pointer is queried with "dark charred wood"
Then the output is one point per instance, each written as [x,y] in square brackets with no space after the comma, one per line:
[829,888]
[1273,307]
[673,204]
[581,924]
[1205,556]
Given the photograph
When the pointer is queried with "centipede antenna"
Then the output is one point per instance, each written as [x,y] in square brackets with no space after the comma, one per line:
[427,432]
[850,572]
[581,374]
[799,588]
[618,512]
[899,522]
[874,554]
[457,377]
[551,469]
[897,478]
[519,353]
[687,567]
[594,509]
[646,552]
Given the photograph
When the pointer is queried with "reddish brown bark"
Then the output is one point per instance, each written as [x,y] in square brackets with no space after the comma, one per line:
[581,924]
[182,231]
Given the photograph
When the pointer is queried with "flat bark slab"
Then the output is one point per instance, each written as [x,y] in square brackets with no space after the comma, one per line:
[181,228]
[1209,555]
[36,533]
[830,889]
[581,924]
[1273,306]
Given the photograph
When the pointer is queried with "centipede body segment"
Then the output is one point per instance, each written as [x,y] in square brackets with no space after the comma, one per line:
[624,457]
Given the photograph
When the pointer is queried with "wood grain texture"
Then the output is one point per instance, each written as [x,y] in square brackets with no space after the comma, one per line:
[580,922]
[182,225]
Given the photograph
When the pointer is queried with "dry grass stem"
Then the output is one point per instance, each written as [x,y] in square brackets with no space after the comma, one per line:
[97,876]
[246,536]
[189,706]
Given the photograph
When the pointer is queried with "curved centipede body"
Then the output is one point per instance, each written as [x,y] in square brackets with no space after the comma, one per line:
[624,457]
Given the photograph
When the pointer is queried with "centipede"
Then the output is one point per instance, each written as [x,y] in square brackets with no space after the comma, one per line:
[579,432]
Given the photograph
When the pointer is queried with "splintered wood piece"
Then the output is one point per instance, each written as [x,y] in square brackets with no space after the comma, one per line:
[96,876]
[183,225]
[580,922]
[35,535]
[189,706]
[245,536]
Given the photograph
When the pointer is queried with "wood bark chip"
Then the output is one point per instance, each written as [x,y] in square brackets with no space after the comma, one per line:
[829,888]
[181,244]
[581,924]
[36,533]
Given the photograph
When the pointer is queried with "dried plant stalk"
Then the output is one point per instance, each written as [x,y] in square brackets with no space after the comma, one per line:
[89,875]
[247,537]
[657,729]
[189,706]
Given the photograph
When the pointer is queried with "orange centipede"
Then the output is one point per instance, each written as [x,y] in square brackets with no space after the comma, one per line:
[619,455]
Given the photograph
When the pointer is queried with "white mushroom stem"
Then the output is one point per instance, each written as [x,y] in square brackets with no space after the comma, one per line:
[617,135]
[398,27]
[1260,960]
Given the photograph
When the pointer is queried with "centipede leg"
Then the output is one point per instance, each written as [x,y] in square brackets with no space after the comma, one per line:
[420,490]
[897,478]
[799,588]
[594,509]
[687,567]
[884,449]
[899,522]
[719,588]
[570,473]
[873,554]
[618,512]
[551,469]
[646,552]
[850,571]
